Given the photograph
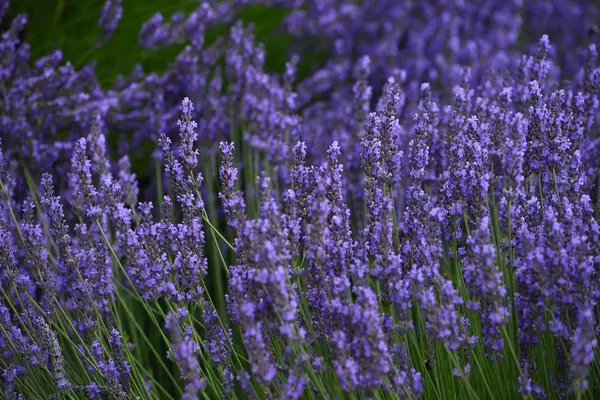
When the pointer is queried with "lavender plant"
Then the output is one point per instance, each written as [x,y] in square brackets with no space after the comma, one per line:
[417,218]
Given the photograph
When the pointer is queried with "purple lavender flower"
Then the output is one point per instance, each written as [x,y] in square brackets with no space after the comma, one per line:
[492,124]
[94,391]
[55,353]
[256,344]
[116,342]
[387,128]
[6,175]
[217,341]
[188,135]
[190,265]
[407,382]
[301,184]
[80,181]
[114,374]
[53,211]
[485,283]
[233,202]
[362,92]
[8,250]
[180,169]
[294,387]
[467,180]
[360,350]
[154,34]
[378,237]
[329,244]
[100,164]
[128,182]
[527,387]
[111,14]
[185,351]
[423,243]
[19,350]
[3,6]
[148,247]
[38,257]
[260,286]
[95,267]
[582,349]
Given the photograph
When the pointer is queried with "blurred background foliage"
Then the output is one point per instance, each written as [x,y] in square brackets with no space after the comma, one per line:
[71,26]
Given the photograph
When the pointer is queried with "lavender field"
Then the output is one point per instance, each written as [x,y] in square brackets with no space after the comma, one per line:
[407,207]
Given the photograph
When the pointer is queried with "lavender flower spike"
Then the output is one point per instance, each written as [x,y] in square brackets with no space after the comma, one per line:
[185,351]
[111,15]
[233,201]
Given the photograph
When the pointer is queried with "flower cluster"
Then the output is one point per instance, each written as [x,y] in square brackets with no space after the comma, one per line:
[421,209]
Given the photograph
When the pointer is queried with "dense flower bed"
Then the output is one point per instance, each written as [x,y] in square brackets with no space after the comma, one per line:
[418,217]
